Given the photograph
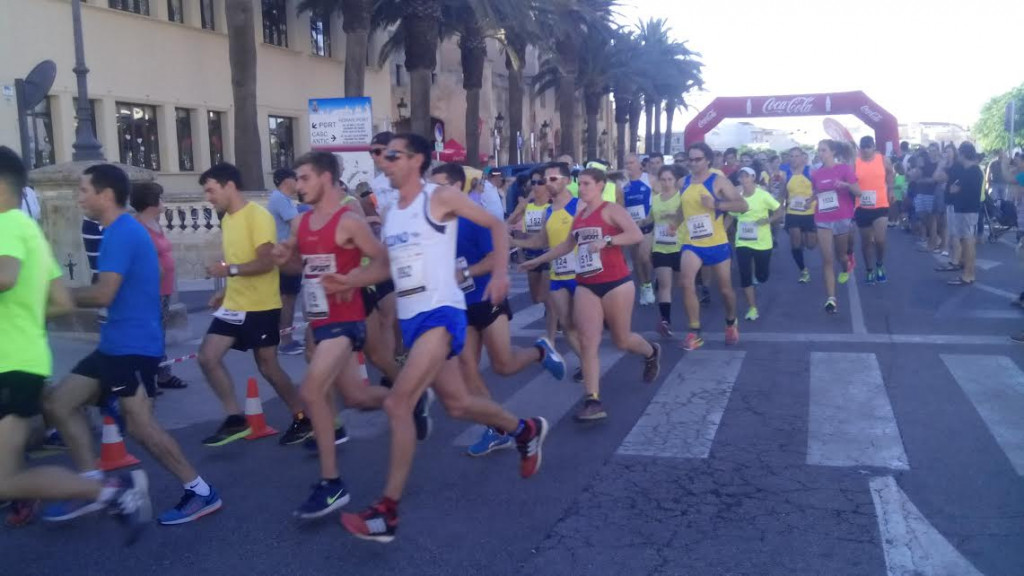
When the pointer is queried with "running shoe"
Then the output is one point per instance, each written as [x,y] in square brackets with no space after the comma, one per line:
[327,496]
[552,360]
[375,523]
[421,415]
[590,409]
[871,278]
[880,275]
[490,441]
[131,503]
[752,314]
[577,376]
[191,507]
[65,510]
[292,348]
[665,329]
[832,306]
[652,364]
[647,294]
[340,437]
[844,277]
[531,446]
[692,341]
[732,334]
[21,513]
[300,429]
[234,428]
[805,276]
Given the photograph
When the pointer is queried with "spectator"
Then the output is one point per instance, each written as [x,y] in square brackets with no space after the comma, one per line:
[282,207]
[965,189]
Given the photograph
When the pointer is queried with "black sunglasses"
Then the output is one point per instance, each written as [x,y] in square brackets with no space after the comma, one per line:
[536,182]
[376,151]
[696,158]
[554,178]
[394,155]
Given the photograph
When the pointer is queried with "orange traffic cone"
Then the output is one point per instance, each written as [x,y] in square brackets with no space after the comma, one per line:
[362,369]
[254,414]
[113,453]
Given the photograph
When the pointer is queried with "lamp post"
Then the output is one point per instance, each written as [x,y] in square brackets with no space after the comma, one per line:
[403,109]
[602,144]
[499,125]
[86,147]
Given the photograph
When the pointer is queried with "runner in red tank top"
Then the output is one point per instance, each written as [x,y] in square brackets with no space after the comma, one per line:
[607,292]
[326,245]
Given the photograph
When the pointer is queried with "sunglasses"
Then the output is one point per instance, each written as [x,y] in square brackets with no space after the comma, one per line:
[536,182]
[554,178]
[394,155]
[376,151]
[697,158]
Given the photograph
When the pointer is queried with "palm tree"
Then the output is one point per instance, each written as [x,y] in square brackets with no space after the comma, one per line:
[356,16]
[473,54]
[624,90]
[684,76]
[676,72]
[241,23]
[416,27]
[517,20]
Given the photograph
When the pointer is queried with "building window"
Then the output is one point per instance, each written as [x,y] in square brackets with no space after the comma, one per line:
[183,121]
[398,74]
[40,134]
[216,122]
[320,34]
[282,142]
[174,12]
[544,100]
[206,14]
[137,135]
[136,6]
[275,23]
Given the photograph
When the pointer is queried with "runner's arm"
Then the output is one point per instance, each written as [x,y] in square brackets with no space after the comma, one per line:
[618,216]
[58,301]
[454,202]
[732,201]
[100,294]
[286,257]
[353,228]
[555,252]
[10,268]
[263,263]
[482,267]
[531,242]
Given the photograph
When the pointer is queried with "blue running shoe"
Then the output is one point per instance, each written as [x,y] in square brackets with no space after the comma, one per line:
[69,510]
[191,507]
[327,496]
[552,361]
[340,437]
[880,275]
[489,442]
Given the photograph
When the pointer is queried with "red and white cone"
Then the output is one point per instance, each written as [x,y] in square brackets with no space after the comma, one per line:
[113,453]
[254,413]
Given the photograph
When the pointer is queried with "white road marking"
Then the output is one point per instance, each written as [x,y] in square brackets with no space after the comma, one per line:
[996,291]
[850,420]
[911,545]
[813,337]
[995,385]
[683,417]
[856,309]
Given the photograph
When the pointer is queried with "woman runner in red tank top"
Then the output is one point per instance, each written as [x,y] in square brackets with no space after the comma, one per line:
[599,232]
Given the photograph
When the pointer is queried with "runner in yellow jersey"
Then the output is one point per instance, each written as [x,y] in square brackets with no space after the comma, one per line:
[754,235]
[667,214]
[705,198]
[800,206]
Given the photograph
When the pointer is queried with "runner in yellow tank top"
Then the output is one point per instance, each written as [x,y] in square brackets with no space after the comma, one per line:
[800,207]
[705,198]
[532,226]
[667,213]
[875,177]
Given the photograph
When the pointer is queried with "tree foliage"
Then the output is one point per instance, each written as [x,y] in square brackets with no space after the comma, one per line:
[990,131]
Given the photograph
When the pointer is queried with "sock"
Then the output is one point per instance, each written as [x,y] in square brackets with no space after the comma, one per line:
[666,311]
[236,420]
[330,480]
[92,475]
[107,494]
[730,322]
[695,329]
[199,486]
[593,397]
[798,257]
[540,349]
[520,428]
[878,264]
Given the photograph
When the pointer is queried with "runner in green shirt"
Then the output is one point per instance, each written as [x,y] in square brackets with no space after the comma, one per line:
[754,236]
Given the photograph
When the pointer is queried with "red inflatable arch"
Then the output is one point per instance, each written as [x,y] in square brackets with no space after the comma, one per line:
[887,133]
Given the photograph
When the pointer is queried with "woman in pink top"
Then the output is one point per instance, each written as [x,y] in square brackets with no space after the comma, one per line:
[836,191]
[145,200]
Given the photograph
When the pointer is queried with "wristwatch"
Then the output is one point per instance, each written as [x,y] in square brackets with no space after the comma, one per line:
[233,270]
[607,240]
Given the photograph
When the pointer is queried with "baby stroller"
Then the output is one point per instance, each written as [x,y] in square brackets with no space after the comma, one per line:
[999,216]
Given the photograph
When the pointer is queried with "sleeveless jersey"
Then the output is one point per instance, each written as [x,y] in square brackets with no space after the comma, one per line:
[607,265]
[558,225]
[704,228]
[637,199]
[801,192]
[533,217]
[322,255]
[871,179]
[666,223]
[422,254]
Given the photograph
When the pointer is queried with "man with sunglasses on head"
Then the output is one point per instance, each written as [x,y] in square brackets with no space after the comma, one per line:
[384,195]
[420,232]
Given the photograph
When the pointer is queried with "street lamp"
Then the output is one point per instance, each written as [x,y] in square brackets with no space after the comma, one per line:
[544,127]
[403,109]
[86,147]
[499,125]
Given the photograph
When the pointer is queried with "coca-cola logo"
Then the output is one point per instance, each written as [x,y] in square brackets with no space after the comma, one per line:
[707,118]
[795,105]
[875,116]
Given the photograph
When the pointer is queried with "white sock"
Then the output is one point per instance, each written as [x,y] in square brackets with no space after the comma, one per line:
[92,475]
[199,486]
[106,494]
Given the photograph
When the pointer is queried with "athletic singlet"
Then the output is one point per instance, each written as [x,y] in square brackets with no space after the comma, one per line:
[871,179]
[704,228]
[607,265]
[801,192]
[422,254]
[637,199]
[558,225]
[322,255]
[666,223]
[533,217]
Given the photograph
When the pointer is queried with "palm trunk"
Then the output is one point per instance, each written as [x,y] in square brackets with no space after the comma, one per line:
[592,106]
[566,94]
[670,112]
[473,54]
[622,105]
[356,25]
[648,123]
[421,21]
[241,22]
[473,127]
[658,144]
[634,122]
[516,94]
[419,96]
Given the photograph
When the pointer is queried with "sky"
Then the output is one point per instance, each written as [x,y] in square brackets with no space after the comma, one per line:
[968,51]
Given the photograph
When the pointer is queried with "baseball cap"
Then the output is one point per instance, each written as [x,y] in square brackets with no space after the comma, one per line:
[282,174]
[867,142]
[748,170]
[598,165]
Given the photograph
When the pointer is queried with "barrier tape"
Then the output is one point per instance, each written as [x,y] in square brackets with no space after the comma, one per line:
[194,355]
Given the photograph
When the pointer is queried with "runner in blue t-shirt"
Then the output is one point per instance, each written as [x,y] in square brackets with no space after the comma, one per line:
[636,197]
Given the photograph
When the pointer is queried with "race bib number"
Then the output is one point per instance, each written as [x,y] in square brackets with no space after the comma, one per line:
[747,231]
[664,234]
[467,285]
[798,203]
[565,265]
[868,198]
[828,201]
[315,299]
[638,212]
[236,317]
[534,220]
[587,263]
[699,226]
[407,270]
[314,265]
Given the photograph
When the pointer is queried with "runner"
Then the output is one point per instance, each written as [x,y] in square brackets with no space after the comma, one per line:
[705,198]
[667,212]
[31,290]
[281,205]
[606,290]
[637,200]
[538,279]
[655,161]
[420,232]
[248,312]
[754,236]
[488,325]
[835,188]
[875,177]
[557,227]
[124,366]
[800,210]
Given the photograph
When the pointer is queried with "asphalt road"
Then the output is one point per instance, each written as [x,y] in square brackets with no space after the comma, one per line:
[885,440]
